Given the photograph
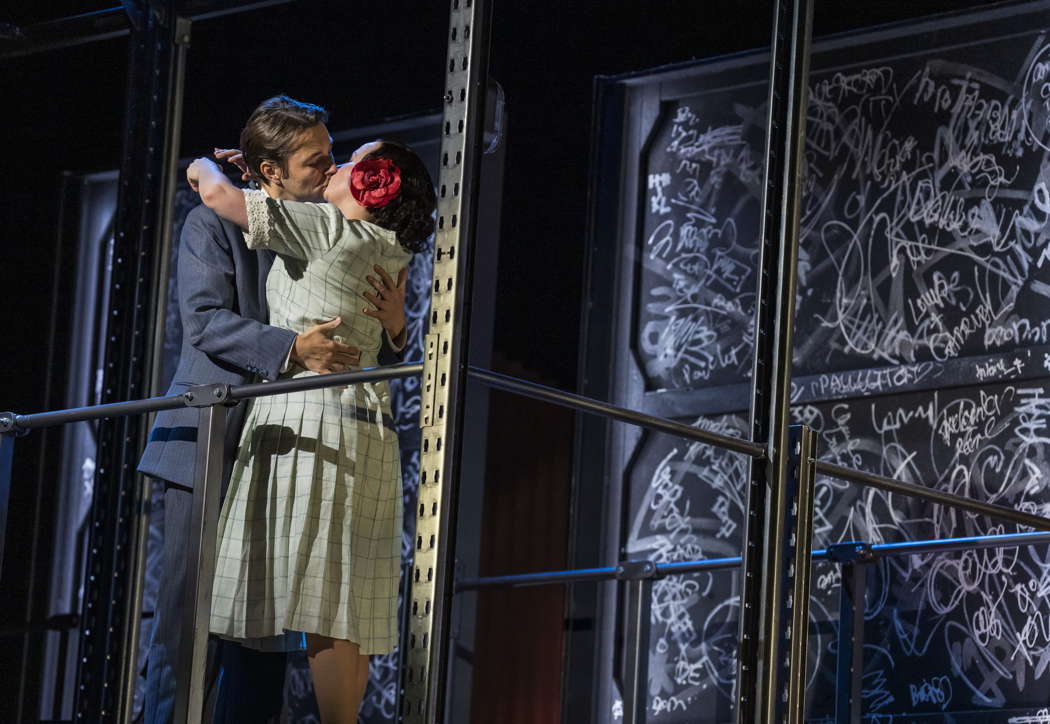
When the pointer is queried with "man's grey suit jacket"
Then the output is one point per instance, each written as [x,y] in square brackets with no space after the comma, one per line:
[225,339]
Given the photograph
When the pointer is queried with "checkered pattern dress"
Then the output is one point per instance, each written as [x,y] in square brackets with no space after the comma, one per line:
[310,531]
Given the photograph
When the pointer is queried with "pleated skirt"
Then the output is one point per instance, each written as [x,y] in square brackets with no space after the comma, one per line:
[310,531]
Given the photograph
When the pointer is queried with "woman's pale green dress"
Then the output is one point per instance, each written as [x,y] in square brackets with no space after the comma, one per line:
[310,531]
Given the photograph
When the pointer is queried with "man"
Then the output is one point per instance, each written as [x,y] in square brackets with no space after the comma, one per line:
[222,301]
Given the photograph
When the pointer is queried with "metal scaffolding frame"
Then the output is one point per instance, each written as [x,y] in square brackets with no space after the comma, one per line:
[424,670]
[776,554]
[801,466]
[118,518]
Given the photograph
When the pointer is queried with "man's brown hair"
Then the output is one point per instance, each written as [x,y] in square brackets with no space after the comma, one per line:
[273,130]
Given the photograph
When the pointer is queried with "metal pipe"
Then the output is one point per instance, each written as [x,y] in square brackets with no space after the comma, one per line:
[585,575]
[171,402]
[95,412]
[942,545]
[850,663]
[200,565]
[880,550]
[937,496]
[317,382]
[635,676]
[587,404]
[522,580]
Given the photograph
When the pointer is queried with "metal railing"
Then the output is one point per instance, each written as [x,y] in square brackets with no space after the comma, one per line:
[212,401]
[638,576]
[851,556]
[802,467]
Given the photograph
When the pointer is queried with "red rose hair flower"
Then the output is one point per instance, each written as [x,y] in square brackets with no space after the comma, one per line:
[375,182]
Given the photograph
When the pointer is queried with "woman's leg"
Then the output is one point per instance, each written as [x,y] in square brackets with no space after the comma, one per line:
[340,673]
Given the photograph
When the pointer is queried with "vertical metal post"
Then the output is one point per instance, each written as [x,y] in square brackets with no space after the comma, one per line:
[200,556]
[155,351]
[444,378]
[162,262]
[7,455]
[795,576]
[758,656]
[634,677]
[849,668]
[110,610]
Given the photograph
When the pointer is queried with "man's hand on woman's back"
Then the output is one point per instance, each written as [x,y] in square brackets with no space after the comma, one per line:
[316,351]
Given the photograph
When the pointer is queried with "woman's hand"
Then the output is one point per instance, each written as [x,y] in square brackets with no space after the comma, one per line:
[234,156]
[198,167]
[389,301]
[193,174]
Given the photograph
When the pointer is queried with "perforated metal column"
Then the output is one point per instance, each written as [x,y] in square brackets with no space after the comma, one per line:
[424,673]
[759,696]
[110,601]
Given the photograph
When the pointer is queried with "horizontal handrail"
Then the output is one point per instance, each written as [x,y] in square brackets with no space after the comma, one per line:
[937,496]
[756,450]
[877,550]
[623,414]
[10,421]
[333,379]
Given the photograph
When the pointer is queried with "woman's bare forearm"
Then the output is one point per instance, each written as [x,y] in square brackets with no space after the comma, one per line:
[217,192]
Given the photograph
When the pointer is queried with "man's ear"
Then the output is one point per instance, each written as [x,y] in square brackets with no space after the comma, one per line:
[271,172]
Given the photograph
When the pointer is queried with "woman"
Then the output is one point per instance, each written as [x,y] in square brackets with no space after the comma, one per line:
[310,532]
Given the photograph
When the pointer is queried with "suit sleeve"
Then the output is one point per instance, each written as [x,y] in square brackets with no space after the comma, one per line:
[207,296]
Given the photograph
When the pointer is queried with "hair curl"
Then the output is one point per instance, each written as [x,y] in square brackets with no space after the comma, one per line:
[411,215]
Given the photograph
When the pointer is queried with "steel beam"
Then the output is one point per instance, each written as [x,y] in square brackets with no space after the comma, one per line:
[444,373]
[795,572]
[110,611]
[761,587]
[181,35]
[849,669]
[106,24]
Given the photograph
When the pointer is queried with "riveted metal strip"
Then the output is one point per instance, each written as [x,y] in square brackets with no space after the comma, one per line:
[424,670]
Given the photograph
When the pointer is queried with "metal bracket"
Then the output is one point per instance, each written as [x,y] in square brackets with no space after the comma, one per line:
[849,669]
[183,27]
[208,395]
[635,570]
[9,425]
[428,395]
[638,577]
[851,552]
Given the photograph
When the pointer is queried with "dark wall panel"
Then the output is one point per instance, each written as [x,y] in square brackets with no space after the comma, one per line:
[920,352]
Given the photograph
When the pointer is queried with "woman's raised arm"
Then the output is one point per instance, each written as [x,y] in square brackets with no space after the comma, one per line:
[217,192]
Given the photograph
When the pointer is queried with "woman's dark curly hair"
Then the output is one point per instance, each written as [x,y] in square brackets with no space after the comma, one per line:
[411,215]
